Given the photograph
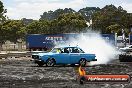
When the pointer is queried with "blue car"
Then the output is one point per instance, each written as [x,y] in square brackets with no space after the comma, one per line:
[63,55]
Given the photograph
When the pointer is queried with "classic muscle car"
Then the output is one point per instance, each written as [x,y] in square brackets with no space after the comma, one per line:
[63,55]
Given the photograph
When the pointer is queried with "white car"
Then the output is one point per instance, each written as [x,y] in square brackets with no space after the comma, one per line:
[126,49]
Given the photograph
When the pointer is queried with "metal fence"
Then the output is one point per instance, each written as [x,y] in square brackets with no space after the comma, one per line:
[10,46]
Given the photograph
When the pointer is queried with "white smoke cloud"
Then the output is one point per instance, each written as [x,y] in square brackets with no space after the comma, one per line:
[93,43]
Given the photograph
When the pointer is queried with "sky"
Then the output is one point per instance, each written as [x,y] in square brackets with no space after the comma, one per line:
[32,9]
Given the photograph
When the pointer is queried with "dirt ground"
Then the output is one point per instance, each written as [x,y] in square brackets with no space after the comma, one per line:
[22,73]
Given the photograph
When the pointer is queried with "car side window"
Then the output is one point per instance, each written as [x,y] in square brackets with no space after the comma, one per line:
[80,50]
[75,50]
[56,50]
[65,50]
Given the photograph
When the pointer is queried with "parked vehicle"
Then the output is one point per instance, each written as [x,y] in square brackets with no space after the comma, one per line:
[63,55]
[126,49]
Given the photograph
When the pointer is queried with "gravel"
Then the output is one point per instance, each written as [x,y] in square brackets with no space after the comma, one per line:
[22,73]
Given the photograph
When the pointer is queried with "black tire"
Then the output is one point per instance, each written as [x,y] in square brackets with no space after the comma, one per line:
[72,65]
[82,62]
[82,80]
[40,64]
[50,62]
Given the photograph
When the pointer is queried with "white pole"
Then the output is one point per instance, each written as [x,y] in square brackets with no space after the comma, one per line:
[116,39]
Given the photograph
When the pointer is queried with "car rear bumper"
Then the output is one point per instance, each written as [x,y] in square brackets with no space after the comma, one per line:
[94,60]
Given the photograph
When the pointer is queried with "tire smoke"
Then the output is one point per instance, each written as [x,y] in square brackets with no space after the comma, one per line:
[93,43]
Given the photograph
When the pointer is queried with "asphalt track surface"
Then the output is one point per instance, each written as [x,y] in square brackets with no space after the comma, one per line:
[22,73]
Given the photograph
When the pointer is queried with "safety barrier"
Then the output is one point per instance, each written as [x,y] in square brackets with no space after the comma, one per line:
[16,55]
[19,54]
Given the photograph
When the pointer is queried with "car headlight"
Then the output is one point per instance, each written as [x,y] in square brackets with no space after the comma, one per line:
[35,56]
[40,57]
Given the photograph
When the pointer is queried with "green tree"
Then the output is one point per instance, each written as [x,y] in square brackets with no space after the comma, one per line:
[70,22]
[110,16]
[39,27]
[2,19]
[13,30]
[65,23]
[88,12]
[114,28]
[2,13]
[33,28]
[51,15]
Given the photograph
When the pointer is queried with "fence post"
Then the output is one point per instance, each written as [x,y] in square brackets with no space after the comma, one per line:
[116,39]
[19,45]
[0,47]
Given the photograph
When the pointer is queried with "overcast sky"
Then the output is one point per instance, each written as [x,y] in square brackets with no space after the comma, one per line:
[18,9]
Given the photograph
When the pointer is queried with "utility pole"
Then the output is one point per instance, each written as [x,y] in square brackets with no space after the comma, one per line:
[123,37]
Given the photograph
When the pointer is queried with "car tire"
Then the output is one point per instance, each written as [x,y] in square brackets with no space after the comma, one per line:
[82,80]
[50,62]
[82,62]
[40,64]
[73,65]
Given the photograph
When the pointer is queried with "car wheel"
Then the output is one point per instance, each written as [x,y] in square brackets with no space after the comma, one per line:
[82,62]
[40,64]
[50,62]
[82,80]
[73,65]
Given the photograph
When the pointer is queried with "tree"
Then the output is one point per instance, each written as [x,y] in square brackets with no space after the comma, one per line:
[65,23]
[70,22]
[108,17]
[2,12]
[2,19]
[13,30]
[51,15]
[114,28]
[39,27]
[88,12]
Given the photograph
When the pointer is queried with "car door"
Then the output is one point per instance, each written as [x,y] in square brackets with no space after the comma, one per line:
[74,55]
[63,57]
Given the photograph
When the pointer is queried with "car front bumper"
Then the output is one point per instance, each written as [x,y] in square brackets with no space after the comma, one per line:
[36,60]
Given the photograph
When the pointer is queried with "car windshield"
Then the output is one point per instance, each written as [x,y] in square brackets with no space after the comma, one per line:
[56,50]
